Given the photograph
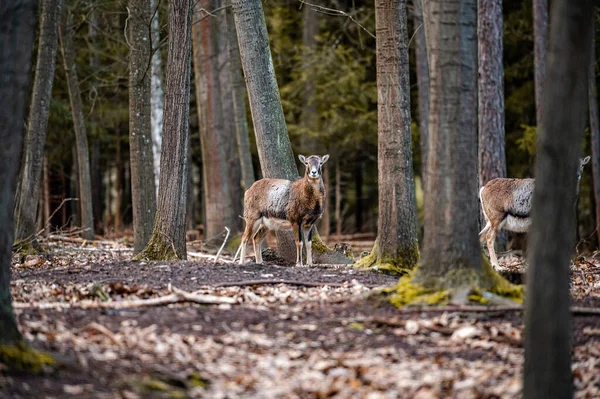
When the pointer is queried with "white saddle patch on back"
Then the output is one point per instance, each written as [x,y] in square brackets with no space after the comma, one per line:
[276,224]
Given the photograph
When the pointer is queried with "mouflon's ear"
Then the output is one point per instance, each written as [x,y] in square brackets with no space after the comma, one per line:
[324,159]
[585,160]
[302,159]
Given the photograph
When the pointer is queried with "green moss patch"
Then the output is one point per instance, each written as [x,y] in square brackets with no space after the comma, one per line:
[159,248]
[24,358]
[400,265]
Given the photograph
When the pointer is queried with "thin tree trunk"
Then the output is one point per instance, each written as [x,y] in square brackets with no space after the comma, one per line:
[451,206]
[229,139]
[118,188]
[547,371]
[273,143]
[17,24]
[83,160]
[540,51]
[326,219]
[358,182]
[143,192]
[168,237]
[239,103]
[595,135]
[309,116]
[214,136]
[422,67]
[157,96]
[28,190]
[492,158]
[338,199]
[46,183]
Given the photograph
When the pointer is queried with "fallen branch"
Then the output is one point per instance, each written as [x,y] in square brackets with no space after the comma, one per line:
[77,240]
[274,282]
[223,245]
[576,310]
[176,297]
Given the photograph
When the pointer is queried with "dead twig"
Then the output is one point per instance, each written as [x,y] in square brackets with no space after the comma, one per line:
[223,245]
[176,297]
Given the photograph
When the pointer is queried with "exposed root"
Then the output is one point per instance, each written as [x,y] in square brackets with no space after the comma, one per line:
[400,265]
[159,248]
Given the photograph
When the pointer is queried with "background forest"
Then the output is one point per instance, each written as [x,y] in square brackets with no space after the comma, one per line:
[324,61]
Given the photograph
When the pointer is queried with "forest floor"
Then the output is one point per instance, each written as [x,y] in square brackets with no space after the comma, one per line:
[317,334]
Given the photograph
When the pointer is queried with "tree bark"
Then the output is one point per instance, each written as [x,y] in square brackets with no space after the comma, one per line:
[595,135]
[157,96]
[168,238]
[28,190]
[214,136]
[17,24]
[397,221]
[83,157]
[273,143]
[309,117]
[143,192]
[540,52]
[229,139]
[338,199]
[326,219]
[547,371]
[422,69]
[492,158]
[239,103]
[451,208]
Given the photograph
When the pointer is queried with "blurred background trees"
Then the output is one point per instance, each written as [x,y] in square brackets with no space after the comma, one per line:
[324,61]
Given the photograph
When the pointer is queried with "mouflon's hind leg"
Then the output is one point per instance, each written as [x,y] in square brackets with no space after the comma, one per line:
[308,233]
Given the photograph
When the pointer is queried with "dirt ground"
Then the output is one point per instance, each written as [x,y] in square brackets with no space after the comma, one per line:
[281,332]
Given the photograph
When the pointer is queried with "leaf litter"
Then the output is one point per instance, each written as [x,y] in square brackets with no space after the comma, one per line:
[264,339]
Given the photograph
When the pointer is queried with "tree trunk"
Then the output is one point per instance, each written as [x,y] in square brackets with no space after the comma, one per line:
[338,199]
[96,177]
[214,136]
[118,188]
[229,139]
[17,24]
[273,143]
[309,117]
[28,190]
[143,193]
[157,96]
[396,247]
[46,183]
[83,160]
[326,219]
[540,52]
[492,159]
[451,208]
[168,237]
[422,67]
[547,371]
[239,103]
[595,135]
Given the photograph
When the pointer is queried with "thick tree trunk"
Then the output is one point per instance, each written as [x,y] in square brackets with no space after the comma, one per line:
[239,103]
[423,86]
[143,192]
[492,158]
[547,371]
[83,157]
[168,237]
[451,208]
[157,97]
[595,135]
[273,143]
[214,136]
[396,245]
[28,190]
[540,52]
[17,24]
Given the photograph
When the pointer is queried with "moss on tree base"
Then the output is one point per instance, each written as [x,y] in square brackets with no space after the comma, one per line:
[159,248]
[480,288]
[28,247]
[24,358]
[400,265]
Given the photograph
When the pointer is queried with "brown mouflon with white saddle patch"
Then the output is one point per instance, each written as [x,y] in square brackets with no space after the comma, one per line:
[506,204]
[279,204]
